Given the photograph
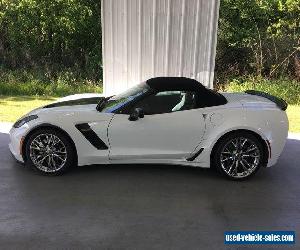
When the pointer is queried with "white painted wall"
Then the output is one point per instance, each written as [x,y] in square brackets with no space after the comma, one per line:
[148,38]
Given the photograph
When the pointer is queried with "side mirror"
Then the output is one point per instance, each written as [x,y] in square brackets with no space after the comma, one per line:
[136,114]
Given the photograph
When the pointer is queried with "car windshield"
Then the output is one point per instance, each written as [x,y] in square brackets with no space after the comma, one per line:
[115,102]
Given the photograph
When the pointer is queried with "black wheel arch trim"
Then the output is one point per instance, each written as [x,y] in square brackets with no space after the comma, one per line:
[45,126]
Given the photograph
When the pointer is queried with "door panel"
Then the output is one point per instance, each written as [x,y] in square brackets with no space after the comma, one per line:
[160,136]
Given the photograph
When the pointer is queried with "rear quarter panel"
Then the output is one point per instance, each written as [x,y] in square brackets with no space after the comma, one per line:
[267,121]
[273,124]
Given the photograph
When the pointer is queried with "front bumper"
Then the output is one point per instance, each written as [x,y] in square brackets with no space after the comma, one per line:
[16,156]
[16,138]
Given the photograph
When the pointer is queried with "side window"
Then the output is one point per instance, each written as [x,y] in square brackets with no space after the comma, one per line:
[167,102]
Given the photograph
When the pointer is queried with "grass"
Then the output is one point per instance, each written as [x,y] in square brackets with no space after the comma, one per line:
[293,113]
[56,89]
[13,107]
[40,83]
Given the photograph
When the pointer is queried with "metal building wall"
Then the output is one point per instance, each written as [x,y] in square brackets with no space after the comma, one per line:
[147,38]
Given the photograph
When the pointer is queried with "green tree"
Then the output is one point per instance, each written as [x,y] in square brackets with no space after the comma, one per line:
[51,33]
[258,37]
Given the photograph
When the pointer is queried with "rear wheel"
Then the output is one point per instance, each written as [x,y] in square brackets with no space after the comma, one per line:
[50,152]
[238,155]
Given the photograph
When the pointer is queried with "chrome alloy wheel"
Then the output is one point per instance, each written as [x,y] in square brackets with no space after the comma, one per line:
[240,157]
[48,153]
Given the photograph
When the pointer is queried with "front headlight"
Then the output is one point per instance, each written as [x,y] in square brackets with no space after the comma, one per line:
[24,120]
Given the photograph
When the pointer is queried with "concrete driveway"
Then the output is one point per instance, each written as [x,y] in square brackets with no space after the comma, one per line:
[143,207]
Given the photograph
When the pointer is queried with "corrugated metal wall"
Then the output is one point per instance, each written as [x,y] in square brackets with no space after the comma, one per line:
[147,38]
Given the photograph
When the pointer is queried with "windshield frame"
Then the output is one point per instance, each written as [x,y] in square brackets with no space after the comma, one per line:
[129,96]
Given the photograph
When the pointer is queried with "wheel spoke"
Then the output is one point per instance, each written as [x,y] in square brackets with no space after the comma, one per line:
[38,144]
[248,165]
[59,152]
[250,155]
[243,166]
[227,158]
[41,161]
[236,167]
[57,156]
[253,147]
[244,142]
[55,142]
[235,143]
[53,161]
[49,162]
[231,168]
[51,140]
[226,153]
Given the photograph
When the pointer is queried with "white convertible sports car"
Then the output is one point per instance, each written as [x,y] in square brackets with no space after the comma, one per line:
[165,120]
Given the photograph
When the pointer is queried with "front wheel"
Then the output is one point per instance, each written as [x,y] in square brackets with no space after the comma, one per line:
[238,155]
[50,152]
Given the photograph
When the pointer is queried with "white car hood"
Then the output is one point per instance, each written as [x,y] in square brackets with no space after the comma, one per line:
[78,102]
[78,96]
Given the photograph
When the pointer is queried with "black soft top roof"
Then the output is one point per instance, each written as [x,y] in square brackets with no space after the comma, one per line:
[175,83]
[206,97]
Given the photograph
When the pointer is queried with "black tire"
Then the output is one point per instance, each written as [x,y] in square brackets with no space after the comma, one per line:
[60,153]
[224,160]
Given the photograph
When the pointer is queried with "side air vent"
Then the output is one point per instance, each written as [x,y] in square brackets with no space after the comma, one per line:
[91,136]
[194,156]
